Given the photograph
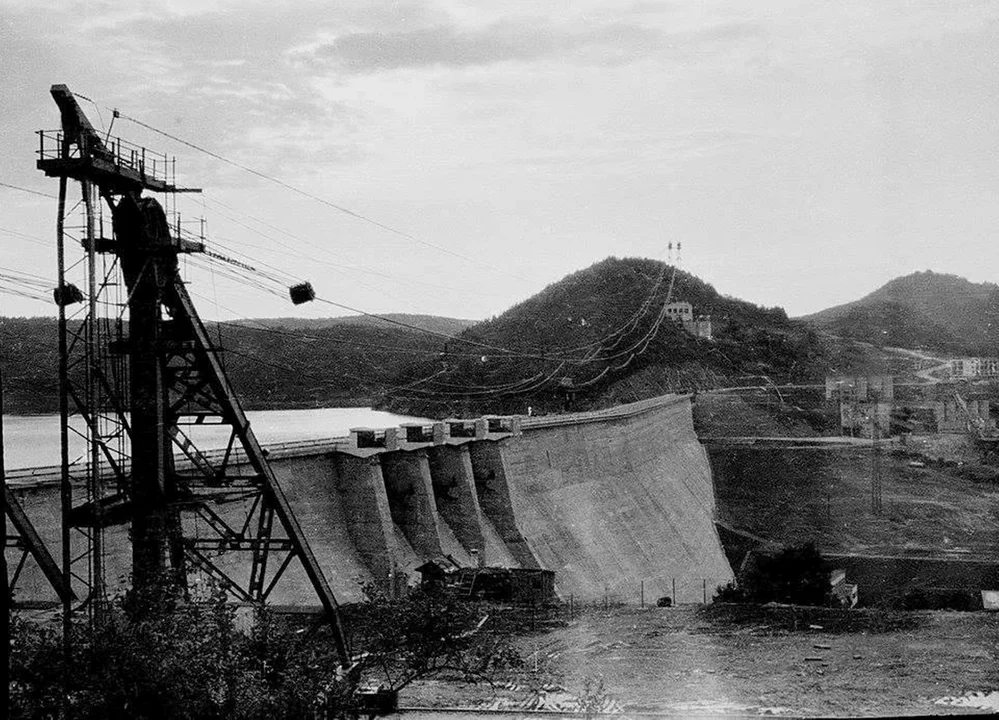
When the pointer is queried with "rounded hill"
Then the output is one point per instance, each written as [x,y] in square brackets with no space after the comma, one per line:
[604,335]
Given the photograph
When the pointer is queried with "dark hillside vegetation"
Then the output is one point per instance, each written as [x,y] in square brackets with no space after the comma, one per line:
[29,351]
[922,310]
[339,365]
[893,324]
[597,338]
[594,339]
[432,323]
[270,367]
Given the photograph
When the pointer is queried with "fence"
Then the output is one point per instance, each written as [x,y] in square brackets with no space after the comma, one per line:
[680,590]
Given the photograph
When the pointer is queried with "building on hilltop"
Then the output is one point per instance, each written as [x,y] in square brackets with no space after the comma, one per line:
[682,313]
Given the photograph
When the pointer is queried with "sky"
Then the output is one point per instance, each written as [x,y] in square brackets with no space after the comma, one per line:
[803,153]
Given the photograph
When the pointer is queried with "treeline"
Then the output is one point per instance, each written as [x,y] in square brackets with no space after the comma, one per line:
[270,367]
[596,338]
[923,310]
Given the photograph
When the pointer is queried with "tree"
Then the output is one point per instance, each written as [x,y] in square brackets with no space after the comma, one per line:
[427,634]
[990,319]
[797,574]
[192,661]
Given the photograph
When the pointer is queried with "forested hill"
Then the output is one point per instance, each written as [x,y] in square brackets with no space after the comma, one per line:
[595,338]
[598,337]
[922,310]
[271,364]
[431,323]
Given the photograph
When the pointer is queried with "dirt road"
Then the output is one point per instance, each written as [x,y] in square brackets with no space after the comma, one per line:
[678,661]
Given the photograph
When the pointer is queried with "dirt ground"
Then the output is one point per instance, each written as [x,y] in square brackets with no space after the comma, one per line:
[937,502]
[929,507]
[782,661]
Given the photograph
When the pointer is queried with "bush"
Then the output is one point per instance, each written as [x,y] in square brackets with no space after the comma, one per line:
[796,575]
[189,660]
[730,592]
[941,599]
[188,663]
[427,634]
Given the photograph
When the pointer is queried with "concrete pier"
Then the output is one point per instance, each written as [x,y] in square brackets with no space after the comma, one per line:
[489,471]
[411,500]
[455,496]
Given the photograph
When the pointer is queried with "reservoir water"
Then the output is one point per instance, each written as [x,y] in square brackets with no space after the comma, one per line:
[33,440]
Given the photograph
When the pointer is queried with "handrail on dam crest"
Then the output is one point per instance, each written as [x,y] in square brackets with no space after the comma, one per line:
[408,436]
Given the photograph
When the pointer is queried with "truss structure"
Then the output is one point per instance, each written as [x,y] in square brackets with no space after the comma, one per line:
[22,537]
[140,378]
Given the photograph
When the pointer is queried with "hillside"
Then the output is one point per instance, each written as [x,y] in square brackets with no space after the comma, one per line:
[596,338]
[270,365]
[922,310]
[893,324]
[431,323]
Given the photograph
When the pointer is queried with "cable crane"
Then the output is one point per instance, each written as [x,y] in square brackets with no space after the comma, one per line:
[138,366]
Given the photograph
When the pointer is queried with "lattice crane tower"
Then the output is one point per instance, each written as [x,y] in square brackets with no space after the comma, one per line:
[137,365]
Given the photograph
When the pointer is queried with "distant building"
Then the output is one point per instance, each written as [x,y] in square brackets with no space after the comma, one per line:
[860,388]
[990,600]
[682,313]
[860,419]
[974,367]
[845,593]
[952,418]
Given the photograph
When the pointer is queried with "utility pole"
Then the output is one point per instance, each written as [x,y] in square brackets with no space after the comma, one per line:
[875,454]
[5,639]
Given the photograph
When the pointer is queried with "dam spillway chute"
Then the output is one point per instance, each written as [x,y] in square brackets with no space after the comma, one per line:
[138,365]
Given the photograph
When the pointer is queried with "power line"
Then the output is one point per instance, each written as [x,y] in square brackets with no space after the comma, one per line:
[547,355]
[241,322]
[234,273]
[351,268]
[27,190]
[468,389]
[238,272]
[312,196]
[505,352]
[24,236]
[534,382]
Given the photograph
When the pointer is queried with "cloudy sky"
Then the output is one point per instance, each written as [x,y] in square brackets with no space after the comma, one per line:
[803,152]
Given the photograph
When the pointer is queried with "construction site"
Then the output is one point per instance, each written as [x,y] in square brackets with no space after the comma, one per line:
[606,533]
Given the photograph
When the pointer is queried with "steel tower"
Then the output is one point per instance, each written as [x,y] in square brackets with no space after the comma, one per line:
[138,367]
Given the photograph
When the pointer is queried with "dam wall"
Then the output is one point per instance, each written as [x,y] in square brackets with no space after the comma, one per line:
[618,500]
[618,503]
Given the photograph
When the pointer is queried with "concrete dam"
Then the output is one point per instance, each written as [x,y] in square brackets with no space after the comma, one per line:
[616,502]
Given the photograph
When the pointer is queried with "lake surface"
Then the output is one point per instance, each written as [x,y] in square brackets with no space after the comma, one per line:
[33,441]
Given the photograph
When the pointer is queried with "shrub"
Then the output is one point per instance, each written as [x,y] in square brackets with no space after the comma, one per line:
[188,663]
[941,599]
[797,575]
[189,660]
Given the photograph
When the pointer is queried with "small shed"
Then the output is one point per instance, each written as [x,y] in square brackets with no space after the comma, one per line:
[844,592]
[436,572]
[990,600]
[516,585]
